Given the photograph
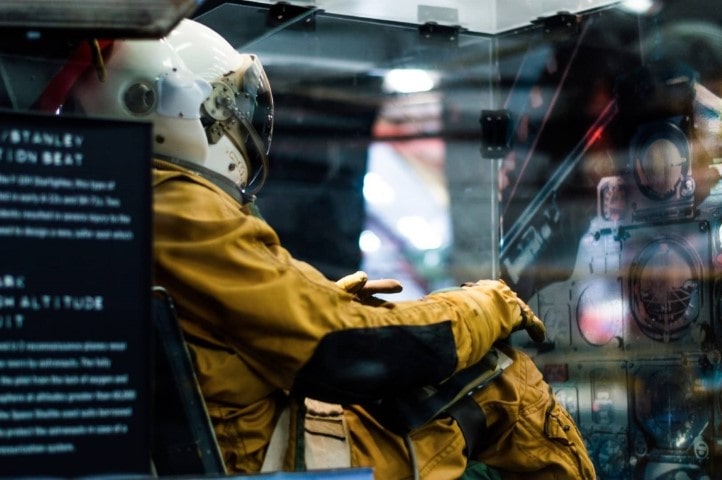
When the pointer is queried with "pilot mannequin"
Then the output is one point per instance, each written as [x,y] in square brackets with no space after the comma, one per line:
[265,329]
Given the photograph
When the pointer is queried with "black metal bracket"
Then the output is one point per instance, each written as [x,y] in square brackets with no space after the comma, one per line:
[443,33]
[296,16]
[495,133]
[561,23]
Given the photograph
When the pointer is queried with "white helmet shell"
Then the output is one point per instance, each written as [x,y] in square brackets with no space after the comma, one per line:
[146,80]
[238,114]
[204,51]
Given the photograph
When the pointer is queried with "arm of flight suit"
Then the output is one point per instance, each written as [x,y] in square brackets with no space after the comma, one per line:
[230,273]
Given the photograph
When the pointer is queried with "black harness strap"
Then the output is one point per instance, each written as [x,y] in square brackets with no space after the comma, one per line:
[472,423]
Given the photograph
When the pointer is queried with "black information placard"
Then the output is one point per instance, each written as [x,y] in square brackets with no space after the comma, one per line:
[75,287]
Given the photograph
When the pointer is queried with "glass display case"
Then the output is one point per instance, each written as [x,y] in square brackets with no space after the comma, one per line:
[575,156]
[571,148]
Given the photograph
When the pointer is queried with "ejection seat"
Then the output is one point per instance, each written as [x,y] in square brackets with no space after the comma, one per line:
[183,441]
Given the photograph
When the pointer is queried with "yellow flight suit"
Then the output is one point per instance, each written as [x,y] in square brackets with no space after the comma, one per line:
[255,318]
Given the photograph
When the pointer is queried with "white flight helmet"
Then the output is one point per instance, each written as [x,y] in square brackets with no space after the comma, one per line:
[238,114]
[147,80]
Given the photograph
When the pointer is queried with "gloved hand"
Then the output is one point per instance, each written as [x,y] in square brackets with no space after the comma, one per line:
[358,283]
[531,323]
[527,319]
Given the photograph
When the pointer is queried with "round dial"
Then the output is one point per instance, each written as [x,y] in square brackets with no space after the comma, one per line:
[599,312]
[668,409]
[664,284]
[660,155]
[609,456]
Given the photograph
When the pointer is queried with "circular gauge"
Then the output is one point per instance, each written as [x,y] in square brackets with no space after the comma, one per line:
[667,408]
[665,290]
[599,312]
[609,458]
[701,449]
[660,154]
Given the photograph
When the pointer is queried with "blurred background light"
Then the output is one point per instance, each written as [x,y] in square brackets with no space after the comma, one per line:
[408,81]
[377,191]
[419,232]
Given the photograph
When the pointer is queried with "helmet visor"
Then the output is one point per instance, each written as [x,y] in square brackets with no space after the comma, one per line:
[258,101]
[240,106]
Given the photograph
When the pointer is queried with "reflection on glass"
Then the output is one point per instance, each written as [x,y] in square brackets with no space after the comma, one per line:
[407,233]
[408,81]
[665,289]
